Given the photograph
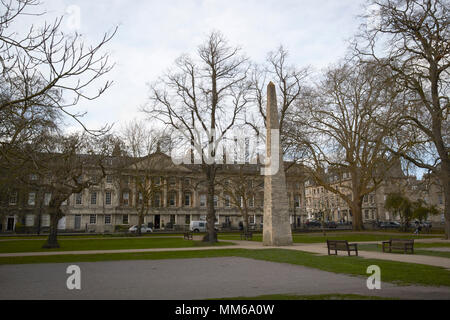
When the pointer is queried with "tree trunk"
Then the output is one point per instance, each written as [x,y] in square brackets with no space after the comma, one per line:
[52,241]
[445,181]
[357,215]
[211,235]
[140,223]
[357,200]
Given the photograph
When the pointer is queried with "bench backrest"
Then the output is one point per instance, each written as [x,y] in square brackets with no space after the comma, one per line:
[338,244]
[401,241]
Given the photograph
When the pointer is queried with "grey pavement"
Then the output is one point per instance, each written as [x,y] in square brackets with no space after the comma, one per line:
[190,279]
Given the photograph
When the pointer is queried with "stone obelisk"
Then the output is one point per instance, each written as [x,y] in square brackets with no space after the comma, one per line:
[277,228]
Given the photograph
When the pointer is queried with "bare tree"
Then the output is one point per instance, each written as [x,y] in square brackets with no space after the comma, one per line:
[43,73]
[240,189]
[64,166]
[291,84]
[412,39]
[141,144]
[202,98]
[336,127]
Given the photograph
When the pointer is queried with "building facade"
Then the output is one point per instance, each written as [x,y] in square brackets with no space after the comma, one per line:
[112,204]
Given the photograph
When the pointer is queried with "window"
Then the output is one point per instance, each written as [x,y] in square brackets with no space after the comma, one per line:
[126,198]
[33,177]
[440,199]
[251,201]
[140,198]
[13,198]
[227,201]
[108,199]
[203,200]
[366,214]
[251,219]
[157,181]
[107,219]
[297,201]
[372,199]
[31,198]
[366,198]
[157,201]
[47,198]
[216,201]
[187,219]
[172,199]
[78,198]
[187,181]
[29,220]
[93,197]
[45,220]
[92,219]
[109,178]
[172,181]
[187,199]
[125,219]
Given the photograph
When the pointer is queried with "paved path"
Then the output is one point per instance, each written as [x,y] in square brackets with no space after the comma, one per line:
[443,249]
[409,258]
[190,279]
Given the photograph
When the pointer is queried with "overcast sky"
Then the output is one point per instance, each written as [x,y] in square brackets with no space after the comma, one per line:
[152,34]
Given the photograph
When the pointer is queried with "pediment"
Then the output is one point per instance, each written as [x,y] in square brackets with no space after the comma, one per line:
[158,162]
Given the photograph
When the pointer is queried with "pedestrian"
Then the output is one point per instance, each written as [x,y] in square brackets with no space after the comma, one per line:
[417,228]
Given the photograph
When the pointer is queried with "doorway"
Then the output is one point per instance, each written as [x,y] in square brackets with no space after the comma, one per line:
[10,224]
[78,222]
[157,221]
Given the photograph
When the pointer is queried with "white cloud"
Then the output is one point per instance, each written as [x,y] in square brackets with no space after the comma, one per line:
[153,33]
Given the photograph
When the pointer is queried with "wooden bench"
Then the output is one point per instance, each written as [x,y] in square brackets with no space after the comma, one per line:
[188,236]
[399,244]
[341,245]
[246,235]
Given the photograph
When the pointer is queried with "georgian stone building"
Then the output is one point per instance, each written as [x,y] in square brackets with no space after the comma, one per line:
[332,207]
[112,204]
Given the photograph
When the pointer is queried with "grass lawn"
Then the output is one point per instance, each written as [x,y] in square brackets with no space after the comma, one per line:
[320,238]
[333,296]
[419,248]
[391,271]
[87,236]
[15,246]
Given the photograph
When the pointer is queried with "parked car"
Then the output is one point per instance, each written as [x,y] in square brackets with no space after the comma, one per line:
[200,226]
[331,224]
[313,223]
[144,229]
[389,224]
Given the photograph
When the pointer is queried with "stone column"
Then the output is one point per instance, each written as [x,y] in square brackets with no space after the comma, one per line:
[277,228]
